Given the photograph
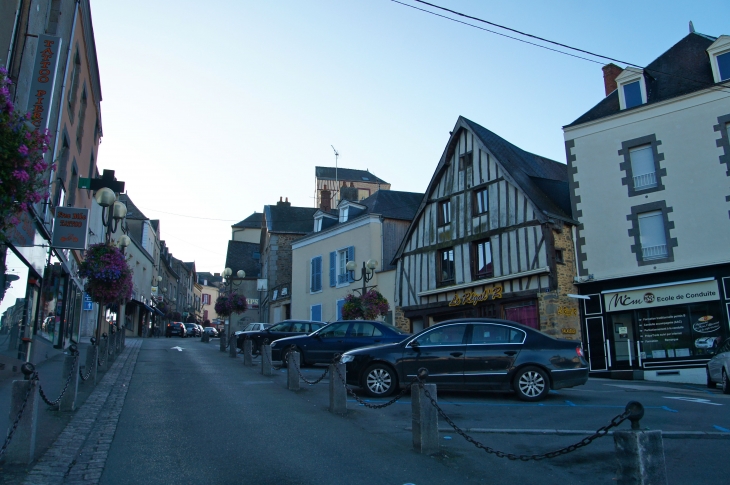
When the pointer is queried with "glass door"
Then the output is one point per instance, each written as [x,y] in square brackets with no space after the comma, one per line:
[597,344]
[623,341]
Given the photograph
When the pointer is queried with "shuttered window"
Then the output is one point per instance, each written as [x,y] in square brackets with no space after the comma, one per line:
[316,274]
[652,236]
[315,313]
[643,168]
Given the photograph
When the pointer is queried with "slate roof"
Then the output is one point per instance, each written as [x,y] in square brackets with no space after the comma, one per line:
[252,221]
[240,255]
[133,211]
[393,204]
[207,276]
[682,69]
[284,218]
[348,174]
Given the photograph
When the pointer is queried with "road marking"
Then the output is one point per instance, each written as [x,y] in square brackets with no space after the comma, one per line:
[569,403]
[178,349]
[666,408]
[720,428]
[693,399]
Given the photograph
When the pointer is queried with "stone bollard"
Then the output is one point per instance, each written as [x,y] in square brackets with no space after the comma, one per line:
[102,358]
[640,453]
[222,340]
[425,421]
[91,356]
[70,365]
[21,448]
[266,367]
[232,348]
[291,371]
[205,337]
[110,347]
[338,393]
[247,352]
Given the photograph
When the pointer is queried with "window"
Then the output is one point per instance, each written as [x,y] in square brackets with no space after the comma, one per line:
[73,186]
[315,283]
[343,214]
[365,329]
[315,312]
[318,224]
[82,118]
[74,86]
[338,266]
[524,313]
[652,236]
[481,201]
[206,299]
[559,256]
[465,160]
[334,330]
[632,94]
[446,266]
[482,266]
[447,335]
[642,167]
[444,216]
[723,66]
[496,334]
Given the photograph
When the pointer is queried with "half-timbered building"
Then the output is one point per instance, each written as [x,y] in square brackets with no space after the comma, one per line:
[493,237]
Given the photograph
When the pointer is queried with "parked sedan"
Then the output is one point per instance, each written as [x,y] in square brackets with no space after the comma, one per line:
[175,328]
[287,328]
[211,331]
[336,338]
[477,354]
[191,330]
[718,368]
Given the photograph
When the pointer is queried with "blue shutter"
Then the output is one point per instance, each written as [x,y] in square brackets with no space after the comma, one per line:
[333,268]
[316,312]
[319,273]
[351,257]
[340,304]
[312,273]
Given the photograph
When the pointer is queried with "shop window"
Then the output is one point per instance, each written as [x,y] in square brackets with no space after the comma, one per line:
[446,266]
[482,266]
[524,313]
[444,215]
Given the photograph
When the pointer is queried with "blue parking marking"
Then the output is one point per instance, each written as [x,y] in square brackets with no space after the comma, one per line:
[720,428]
[667,408]
[569,403]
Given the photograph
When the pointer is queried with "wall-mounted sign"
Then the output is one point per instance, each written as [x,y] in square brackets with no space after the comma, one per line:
[261,284]
[70,228]
[472,298]
[44,79]
[88,304]
[662,296]
[567,311]
[252,302]
[570,331]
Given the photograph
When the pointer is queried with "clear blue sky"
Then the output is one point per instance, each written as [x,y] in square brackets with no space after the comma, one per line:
[214,109]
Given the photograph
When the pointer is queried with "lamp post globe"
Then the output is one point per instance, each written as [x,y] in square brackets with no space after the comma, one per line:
[227,272]
[119,211]
[241,273]
[105,197]
[351,266]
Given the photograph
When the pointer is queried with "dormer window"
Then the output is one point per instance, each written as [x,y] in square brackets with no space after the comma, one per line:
[343,213]
[631,88]
[719,53]
[318,224]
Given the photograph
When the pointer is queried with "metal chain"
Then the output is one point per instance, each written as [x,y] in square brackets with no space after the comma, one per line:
[68,381]
[552,454]
[402,393]
[84,378]
[311,383]
[11,432]
[263,352]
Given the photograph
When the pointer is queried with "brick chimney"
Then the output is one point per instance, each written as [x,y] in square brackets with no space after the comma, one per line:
[610,73]
[325,199]
[282,203]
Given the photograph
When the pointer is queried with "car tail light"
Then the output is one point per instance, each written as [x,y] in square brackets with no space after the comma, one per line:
[168,324]
[579,351]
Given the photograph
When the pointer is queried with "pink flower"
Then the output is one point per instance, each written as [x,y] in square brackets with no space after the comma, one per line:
[21,175]
[14,221]
[23,150]
[24,206]
[38,167]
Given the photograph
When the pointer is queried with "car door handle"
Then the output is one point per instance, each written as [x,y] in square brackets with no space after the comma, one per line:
[376,340]
[510,352]
[457,354]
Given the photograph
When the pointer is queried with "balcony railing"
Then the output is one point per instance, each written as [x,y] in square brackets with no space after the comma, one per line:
[654,252]
[645,181]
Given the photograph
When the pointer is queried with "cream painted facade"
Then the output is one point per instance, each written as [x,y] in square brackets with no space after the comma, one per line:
[365,235]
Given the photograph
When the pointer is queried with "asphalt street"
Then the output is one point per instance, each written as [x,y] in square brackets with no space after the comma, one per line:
[195,415]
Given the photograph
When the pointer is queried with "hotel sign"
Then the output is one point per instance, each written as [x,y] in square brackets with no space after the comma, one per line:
[44,79]
[662,296]
[70,228]
[472,297]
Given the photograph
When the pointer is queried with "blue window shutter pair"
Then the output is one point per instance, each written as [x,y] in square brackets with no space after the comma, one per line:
[340,304]
[333,268]
[316,283]
[351,257]
[316,312]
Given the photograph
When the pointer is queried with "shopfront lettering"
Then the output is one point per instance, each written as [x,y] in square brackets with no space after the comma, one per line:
[662,296]
[472,298]
[43,80]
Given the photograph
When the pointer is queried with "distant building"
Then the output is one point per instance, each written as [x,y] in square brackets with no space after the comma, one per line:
[333,184]
[244,256]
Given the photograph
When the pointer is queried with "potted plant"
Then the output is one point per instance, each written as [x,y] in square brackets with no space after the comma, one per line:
[108,276]
[369,306]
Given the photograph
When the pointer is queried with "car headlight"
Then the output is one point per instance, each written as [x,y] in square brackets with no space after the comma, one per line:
[272,344]
[346,358]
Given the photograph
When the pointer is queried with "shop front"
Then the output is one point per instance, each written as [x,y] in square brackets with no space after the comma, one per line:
[666,331]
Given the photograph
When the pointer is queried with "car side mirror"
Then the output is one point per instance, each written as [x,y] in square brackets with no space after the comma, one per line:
[414,344]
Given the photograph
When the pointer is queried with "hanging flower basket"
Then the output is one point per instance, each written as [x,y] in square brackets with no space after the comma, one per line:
[21,160]
[108,276]
[225,305]
[370,306]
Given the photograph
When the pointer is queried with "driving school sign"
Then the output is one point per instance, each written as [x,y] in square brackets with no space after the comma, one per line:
[661,296]
[70,228]
[472,298]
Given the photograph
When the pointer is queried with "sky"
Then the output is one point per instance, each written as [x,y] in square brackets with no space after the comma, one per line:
[213,109]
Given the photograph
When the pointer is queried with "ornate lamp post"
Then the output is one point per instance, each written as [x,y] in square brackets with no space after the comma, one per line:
[367,274]
[230,283]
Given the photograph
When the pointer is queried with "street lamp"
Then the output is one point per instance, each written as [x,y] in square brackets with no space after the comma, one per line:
[231,284]
[368,272]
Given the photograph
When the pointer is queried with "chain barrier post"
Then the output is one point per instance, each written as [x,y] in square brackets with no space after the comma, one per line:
[424,416]
[291,371]
[205,337]
[21,446]
[247,352]
[70,363]
[640,453]
[266,366]
[232,346]
[91,359]
[338,391]
[223,340]
[102,351]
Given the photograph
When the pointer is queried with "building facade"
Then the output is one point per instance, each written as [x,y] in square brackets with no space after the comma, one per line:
[357,184]
[649,168]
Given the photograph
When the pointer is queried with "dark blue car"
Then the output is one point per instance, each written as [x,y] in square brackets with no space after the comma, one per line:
[335,338]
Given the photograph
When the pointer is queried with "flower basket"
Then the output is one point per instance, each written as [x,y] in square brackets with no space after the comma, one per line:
[227,304]
[370,306]
[108,276]
[21,160]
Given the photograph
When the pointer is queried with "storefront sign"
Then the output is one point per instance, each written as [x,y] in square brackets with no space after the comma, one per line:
[252,302]
[567,311]
[472,298]
[570,331]
[662,296]
[70,228]
[44,79]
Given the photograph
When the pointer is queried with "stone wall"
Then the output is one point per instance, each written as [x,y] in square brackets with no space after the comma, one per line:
[559,314]
[401,321]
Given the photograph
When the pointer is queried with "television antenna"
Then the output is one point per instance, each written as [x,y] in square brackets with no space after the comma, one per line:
[337,182]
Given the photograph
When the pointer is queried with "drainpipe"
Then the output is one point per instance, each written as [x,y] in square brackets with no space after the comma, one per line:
[8,58]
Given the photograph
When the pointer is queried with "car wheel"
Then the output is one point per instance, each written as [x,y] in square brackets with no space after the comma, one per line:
[725,383]
[710,384]
[379,380]
[531,384]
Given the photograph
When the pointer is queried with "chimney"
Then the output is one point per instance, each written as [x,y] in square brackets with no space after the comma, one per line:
[216,274]
[325,199]
[610,73]
[282,203]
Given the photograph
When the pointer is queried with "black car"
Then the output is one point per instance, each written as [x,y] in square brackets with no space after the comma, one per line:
[175,328]
[476,354]
[287,328]
[336,338]
[191,330]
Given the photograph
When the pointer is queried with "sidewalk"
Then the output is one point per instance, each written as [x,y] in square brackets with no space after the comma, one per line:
[51,423]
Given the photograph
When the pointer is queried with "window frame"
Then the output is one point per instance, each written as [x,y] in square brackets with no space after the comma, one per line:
[475,260]
[627,168]
[476,197]
[439,267]
[629,76]
[444,212]
[635,232]
[719,48]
